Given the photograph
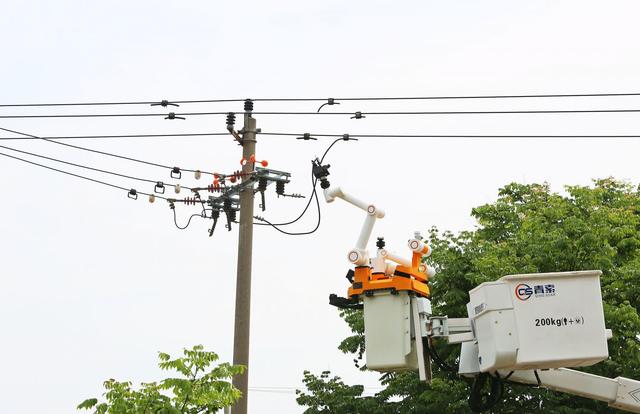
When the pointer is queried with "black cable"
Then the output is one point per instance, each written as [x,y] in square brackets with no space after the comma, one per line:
[79,176]
[27,137]
[290,134]
[313,195]
[91,168]
[186,114]
[100,152]
[446,135]
[479,401]
[175,219]
[570,95]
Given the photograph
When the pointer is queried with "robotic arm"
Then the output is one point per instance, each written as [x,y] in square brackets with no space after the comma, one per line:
[528,329]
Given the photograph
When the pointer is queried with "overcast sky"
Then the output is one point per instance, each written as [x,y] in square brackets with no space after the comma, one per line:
[94,284]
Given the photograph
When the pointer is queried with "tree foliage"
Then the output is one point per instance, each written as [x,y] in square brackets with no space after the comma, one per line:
[199,388]
[528,229]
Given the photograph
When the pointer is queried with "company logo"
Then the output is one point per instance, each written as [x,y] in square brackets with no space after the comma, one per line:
[523,291]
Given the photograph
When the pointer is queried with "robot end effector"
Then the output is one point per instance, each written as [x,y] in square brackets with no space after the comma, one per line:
[359,255]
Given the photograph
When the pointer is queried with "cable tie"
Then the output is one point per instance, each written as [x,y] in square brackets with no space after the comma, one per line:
[172,115]
[358,115]
[164,103]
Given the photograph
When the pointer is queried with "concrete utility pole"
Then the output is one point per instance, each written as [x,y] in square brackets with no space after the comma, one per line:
[243,281]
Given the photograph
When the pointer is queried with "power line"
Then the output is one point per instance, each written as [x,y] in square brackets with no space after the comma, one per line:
[359,114]
[94,169]
[388,98]
[80,176]
[288,134]
[27,137]
[392,135]
[109,154]
[354,114]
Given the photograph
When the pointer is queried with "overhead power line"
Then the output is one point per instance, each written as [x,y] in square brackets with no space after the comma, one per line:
[80,176]
[357,115]
[109,154]
[53,138]
[386,98]
[117,136]
[157,182]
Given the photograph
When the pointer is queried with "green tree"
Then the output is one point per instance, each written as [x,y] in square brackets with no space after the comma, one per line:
[200,388]
[528,229]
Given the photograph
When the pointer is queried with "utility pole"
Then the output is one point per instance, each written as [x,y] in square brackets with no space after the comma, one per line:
[243,280]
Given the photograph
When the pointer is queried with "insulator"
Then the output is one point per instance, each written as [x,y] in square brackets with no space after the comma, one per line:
[197,174]
[231,120]
[226,205]
[248,105]
[280,187]
[262,184]
[215,187]
[232,215]
[152,198]
[190,200]
[177,188]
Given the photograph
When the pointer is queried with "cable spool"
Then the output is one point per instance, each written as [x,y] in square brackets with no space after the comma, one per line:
[177,188]
[152,198]
[197,174]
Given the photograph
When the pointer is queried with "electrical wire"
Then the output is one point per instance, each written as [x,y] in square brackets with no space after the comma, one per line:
[109,154]
[291,134]
[388,98]
[313,195]
[79,176]
[175,219]
[92,168]
[362,114]
[288,134]
[27,137]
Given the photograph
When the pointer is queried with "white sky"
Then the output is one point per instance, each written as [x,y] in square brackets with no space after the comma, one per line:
[93,284]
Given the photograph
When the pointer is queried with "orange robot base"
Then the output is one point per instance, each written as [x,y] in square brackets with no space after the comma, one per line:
[405,278]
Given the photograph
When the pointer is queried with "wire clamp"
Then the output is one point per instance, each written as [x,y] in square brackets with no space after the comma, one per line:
[132,194]
[164,103]
[358,115]
[307,136]
[330,101]
[176,173]
[159,187]
[172,115]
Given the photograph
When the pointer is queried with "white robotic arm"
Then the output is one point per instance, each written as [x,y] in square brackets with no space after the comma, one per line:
[359,255]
